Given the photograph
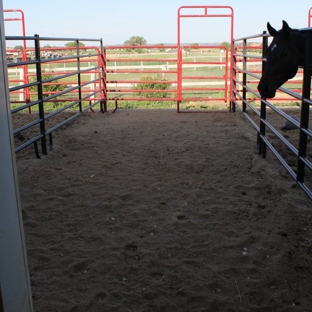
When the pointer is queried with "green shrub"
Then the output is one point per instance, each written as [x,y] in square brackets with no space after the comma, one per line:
[153,84]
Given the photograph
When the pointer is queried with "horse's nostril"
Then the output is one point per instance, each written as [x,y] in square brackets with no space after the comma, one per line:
[262,88]
[265,90]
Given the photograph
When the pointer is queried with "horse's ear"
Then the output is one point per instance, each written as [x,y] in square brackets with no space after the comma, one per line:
[272,31]
[286,28]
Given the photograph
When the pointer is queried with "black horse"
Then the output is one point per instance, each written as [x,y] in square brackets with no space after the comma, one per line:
[284,55]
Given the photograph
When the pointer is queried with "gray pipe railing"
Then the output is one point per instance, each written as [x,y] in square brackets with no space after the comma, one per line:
[304,165]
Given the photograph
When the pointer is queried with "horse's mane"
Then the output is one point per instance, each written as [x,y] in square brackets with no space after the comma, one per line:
[299,38]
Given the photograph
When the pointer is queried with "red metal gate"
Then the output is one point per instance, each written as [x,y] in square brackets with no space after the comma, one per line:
[204,12]
[155,76]
[167,76]
[309,17]
[16,18]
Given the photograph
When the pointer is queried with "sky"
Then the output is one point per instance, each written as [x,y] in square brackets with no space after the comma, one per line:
[115,21]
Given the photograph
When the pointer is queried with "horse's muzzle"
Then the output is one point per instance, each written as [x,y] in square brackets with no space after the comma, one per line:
[266,90]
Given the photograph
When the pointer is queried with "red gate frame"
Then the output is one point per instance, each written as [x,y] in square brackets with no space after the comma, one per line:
[205,14]
[24,57]
[14,19]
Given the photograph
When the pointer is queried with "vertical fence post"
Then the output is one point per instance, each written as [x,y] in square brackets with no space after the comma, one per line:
[40,95]
[179,80]
[227,79]
[244,73]
[305,107]
[79,74]
[25,76]
[104,59]
[232,59]
[261,143]
[233,79]
[103,78]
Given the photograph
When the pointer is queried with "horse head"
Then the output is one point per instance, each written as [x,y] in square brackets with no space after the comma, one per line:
[283,57]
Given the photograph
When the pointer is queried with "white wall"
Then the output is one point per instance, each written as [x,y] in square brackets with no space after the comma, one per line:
[15,289]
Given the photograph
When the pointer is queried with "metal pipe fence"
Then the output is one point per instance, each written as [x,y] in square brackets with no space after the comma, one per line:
[296,154]
[49,80]
[207,12]
[167,73]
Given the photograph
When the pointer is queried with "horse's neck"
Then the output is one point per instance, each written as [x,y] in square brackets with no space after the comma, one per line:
[299,39]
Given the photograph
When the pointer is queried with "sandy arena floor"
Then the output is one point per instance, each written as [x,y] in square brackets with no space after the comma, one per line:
[150,210]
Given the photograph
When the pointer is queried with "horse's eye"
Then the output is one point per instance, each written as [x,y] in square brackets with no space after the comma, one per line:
[283,54]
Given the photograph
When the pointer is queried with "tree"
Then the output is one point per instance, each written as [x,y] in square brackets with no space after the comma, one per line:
[226,44]
[135,41]
[194,45]
[19,47]
[161,47]
[74,44]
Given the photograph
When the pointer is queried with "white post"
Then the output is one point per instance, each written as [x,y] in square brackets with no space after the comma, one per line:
[92,85]
[15,291]
[21,77]
[163,68]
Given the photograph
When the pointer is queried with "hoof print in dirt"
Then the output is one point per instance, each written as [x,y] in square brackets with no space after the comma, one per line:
[131,255]
[181,218]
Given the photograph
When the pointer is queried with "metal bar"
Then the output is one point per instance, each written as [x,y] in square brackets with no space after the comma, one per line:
[252,122]
[279,157]
[12,89]
[261,142]
[305,189]
[40,96]
[306,162]
[29,142]
[36,149]
[305,107]
[27,126]
[244,74]
[234,79]
[14,64]
[67,39]
[18,109]
[103,102]
[104,55]
[307,131]
[122,60]
[50,141]
[287,143]
[62,124]
[252,37]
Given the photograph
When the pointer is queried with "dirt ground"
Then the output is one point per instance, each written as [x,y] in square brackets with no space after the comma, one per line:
[150,210]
